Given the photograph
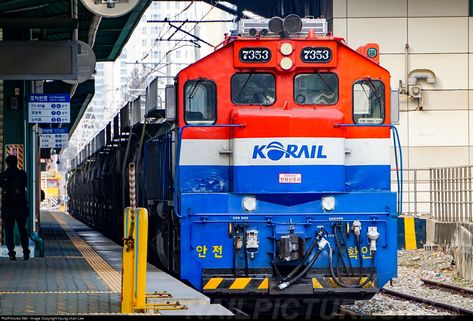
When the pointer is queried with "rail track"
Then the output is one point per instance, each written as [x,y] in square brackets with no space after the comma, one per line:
[448,287]
[344,312]
[435,304]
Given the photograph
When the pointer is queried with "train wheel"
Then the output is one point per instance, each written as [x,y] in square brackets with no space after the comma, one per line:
[159,235]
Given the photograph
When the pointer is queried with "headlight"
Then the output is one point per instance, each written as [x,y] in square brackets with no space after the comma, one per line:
[286,48]
[328,203]
[249,203]
[286,63]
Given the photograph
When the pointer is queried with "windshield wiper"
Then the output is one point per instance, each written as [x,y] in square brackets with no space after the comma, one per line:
[370,82]
[326,82]
[194,88]
[376,92]
[244,84]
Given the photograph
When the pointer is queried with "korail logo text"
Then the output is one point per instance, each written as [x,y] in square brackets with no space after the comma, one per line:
[276,150]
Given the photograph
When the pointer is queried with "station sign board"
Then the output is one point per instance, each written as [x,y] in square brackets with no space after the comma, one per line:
[39,60]
[49,108]
[53,137]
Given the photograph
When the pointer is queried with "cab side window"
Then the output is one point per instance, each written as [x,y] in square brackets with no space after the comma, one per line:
[368,102]
[200,102]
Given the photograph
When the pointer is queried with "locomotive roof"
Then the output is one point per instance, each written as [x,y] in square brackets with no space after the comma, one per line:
[232,40]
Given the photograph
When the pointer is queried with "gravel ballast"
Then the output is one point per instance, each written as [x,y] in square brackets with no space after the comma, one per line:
[412,266]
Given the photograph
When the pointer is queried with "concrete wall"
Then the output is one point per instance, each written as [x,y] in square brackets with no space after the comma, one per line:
[440,233]
[463,251]
[439,35]
[458,237]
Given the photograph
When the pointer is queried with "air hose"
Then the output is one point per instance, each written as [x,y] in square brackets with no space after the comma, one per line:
[238,231]
[291,279]
[346,250]
[340,256]
[319,235]
[234,253]
[339,253]
[246,251]
[339,282]
[358,247]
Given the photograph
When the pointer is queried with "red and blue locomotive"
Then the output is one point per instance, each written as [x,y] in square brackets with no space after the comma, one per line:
[270,175]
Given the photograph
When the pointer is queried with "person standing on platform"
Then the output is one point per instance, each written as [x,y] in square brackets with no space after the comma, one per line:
[13,182]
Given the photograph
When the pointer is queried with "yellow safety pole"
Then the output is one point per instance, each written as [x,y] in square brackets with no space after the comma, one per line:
[141,257]
[129,252]
[131,179]
[135,254]
[128,259]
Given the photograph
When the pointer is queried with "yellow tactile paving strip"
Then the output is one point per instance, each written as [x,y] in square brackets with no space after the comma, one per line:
[65,257]
[109,276]
[57,292]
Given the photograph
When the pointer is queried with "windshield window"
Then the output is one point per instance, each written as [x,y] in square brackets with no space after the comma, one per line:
[200,102]
[368,102]
[253,89]
[316,89]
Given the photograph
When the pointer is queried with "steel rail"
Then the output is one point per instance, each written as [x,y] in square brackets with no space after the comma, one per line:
[441,286]
[345,312]
[436,304]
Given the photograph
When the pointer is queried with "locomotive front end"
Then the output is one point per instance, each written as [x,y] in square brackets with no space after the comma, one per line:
[283,172]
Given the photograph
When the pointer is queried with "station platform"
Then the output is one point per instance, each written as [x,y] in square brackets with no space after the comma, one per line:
[81,275]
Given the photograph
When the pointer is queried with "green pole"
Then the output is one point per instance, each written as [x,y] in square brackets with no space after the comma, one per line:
[31,163]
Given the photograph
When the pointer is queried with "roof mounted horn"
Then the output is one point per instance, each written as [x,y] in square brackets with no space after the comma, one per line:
[275,25]
[292,24]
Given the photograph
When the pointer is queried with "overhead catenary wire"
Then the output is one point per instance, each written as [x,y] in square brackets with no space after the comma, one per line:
[177,44]
[161,34]
[183,10]
[168,29]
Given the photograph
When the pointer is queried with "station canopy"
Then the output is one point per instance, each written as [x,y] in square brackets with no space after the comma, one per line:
[50,20]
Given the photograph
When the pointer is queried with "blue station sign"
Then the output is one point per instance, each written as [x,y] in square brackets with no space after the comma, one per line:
[54,137]
[49,108]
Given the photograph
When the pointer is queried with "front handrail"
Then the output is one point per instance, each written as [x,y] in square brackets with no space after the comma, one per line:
[399,166]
